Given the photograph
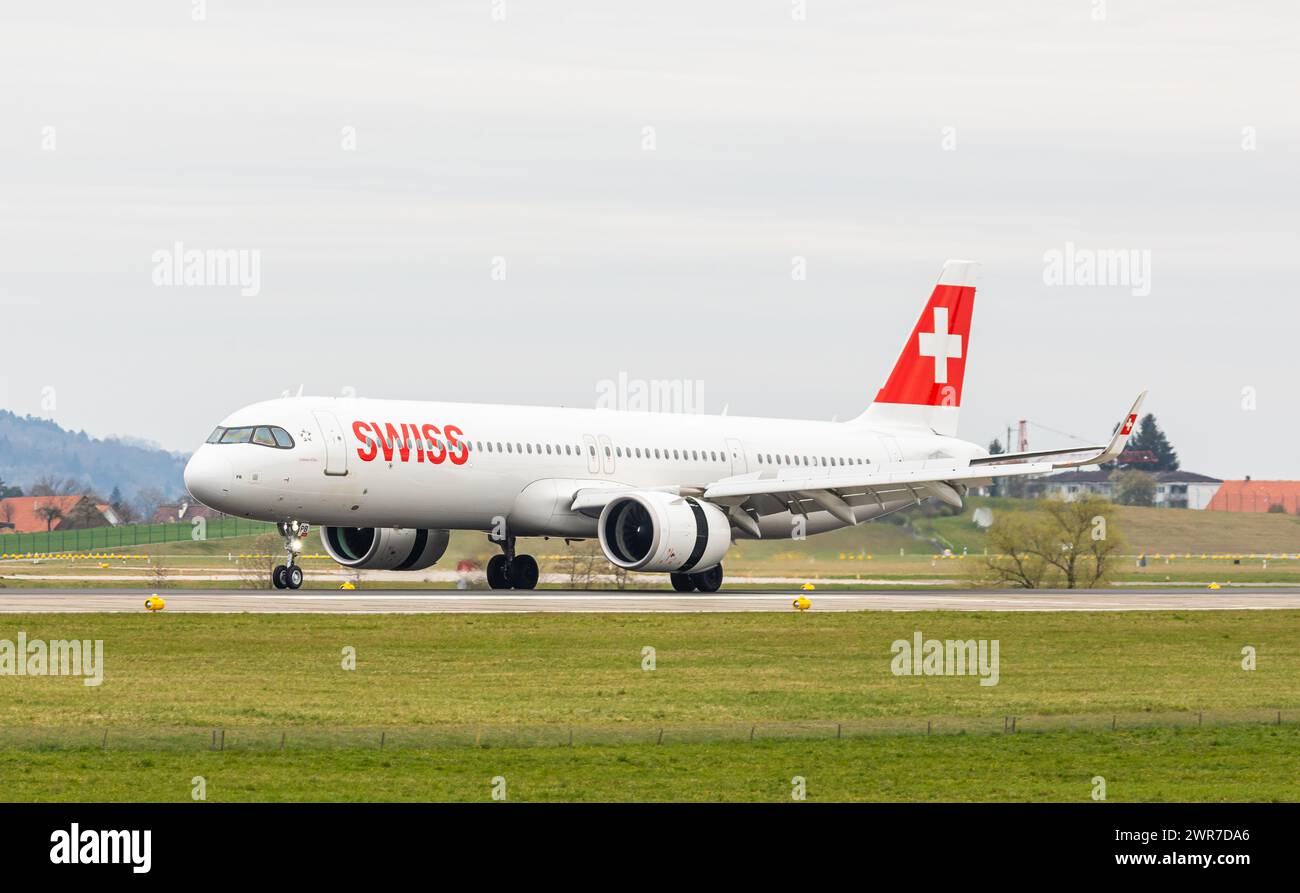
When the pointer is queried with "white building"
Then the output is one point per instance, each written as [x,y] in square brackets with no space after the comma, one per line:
[1174,489]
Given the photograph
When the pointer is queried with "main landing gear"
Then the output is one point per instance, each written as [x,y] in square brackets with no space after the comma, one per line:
[704,581]
[511,571]
[289,575]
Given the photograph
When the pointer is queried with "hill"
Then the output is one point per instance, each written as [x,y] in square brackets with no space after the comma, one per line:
[32,449]
[1145,530]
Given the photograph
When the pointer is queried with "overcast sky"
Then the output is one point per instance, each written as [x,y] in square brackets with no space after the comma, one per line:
[381,158]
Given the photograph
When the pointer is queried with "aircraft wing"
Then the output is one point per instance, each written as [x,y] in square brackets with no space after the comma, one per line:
[1099,454]
[838,491]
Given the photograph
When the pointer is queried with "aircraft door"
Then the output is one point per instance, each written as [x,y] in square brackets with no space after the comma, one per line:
[736,452]
[336,451]
[589,447]
[893,449]
[606,454]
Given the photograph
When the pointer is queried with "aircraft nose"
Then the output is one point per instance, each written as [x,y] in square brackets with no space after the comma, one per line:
[208,476]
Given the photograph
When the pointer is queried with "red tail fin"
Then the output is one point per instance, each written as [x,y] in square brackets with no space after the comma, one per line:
[924,389]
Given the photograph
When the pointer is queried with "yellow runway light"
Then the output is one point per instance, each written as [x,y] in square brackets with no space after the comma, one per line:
[154,603]
[802,603]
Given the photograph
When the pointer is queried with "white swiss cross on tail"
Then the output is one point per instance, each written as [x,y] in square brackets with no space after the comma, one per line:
[940,345]
[924,388]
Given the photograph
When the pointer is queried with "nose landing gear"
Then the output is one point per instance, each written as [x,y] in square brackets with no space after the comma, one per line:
[511,571]
[289,575]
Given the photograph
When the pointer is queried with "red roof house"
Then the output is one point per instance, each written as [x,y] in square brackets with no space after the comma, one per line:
[34,514]
[1257,496]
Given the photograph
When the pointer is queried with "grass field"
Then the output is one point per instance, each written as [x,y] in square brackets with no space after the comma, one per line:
[522,686]
[1194,765]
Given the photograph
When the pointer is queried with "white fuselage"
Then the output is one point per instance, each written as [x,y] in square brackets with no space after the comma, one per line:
[473,466]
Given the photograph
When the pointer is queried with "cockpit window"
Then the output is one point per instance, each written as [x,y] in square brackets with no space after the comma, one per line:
[237,435]
[262,435]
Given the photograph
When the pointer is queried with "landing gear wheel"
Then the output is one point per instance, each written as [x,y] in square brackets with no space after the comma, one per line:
[497,572]
[710,580]
[523,572]
[289,576]
[682,582]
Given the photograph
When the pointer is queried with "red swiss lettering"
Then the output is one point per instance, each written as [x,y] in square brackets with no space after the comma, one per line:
[367,453]
[437,452]
[453,443]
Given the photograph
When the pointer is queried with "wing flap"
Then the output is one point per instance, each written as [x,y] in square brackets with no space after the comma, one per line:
[880,482]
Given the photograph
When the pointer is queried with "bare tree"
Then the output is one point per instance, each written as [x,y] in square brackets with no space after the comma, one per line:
[1009,563]
[1134,487]
[580,564]
[157,572]
[256,565]
[148,500]
[49,512]
[126,513]
[51,485]
[1070,544]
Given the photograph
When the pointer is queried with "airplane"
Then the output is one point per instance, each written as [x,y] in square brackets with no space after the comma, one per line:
[387,480]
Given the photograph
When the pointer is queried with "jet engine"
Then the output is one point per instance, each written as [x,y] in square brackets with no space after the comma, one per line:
[652,531]
[385,548]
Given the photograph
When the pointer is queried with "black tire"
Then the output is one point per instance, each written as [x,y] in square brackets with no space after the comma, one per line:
[278,577]
[497,576]
[293,577]
[710,580]
[523,572]
[682,582]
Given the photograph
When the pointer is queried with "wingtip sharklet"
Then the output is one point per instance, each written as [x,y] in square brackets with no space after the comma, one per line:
[1117,442]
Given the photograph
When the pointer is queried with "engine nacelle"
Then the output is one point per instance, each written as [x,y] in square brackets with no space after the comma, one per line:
[385,548]
[651,531]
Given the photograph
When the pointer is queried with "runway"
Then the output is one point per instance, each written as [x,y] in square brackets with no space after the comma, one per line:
[451,601]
